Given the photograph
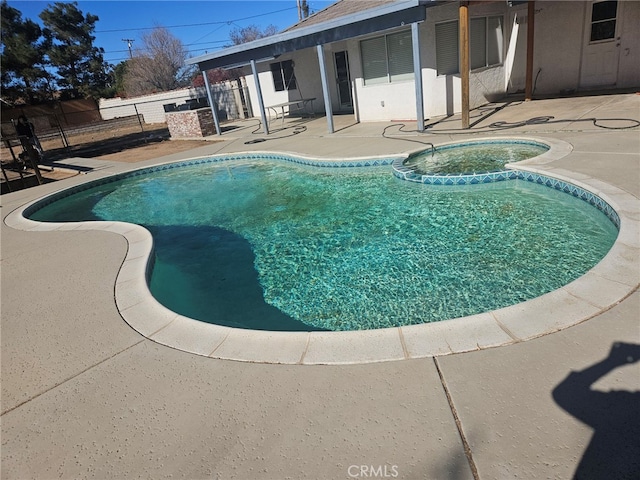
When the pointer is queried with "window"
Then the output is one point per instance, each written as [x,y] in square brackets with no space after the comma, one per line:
[603,21]
[283,76]
[447,48]
[485,44]
[388,58]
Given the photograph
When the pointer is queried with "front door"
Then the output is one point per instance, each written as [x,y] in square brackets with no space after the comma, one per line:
[343,79]
[601,52]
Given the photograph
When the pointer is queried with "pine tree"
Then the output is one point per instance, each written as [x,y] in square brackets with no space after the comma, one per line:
[81,69]
[24,77]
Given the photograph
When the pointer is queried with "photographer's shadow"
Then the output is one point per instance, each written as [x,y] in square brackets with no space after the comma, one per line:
[614,451]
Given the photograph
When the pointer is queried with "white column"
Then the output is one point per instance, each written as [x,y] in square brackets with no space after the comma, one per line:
[417,74]
[263,114]
[212,104]
[325,88]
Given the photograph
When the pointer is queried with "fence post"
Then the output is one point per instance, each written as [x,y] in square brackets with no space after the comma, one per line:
[63,137]
[138,117]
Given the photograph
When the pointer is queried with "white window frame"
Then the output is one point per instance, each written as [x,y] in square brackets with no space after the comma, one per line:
[487,53]
[389,77]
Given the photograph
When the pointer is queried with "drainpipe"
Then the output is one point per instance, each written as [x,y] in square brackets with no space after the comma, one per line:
[212,104]
[263,114]
[325,88]
[417,74]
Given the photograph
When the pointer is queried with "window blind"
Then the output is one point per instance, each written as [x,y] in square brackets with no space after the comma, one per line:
[447,48]
[374,60]
[478,42]
[400,50]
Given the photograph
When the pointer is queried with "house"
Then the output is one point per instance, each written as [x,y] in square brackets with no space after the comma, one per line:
[384,60]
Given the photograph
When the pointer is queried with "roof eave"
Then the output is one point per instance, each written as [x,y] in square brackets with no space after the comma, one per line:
[264,47]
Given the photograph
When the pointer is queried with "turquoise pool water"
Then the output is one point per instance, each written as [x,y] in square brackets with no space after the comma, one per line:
[479,157]
[277,246]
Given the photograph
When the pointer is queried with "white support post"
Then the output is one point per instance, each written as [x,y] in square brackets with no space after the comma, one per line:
[212,103]
[325,88]
[263,113]
[417,74]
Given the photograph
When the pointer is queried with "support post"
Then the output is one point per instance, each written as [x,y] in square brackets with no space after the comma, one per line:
[531,13]
[212,104]
[464,61]
[417,74]
[325,88]
[263,113]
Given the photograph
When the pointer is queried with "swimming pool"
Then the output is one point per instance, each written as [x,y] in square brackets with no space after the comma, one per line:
[406,262]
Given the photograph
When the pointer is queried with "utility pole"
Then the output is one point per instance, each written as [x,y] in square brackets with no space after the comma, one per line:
[303,9]
[129,42]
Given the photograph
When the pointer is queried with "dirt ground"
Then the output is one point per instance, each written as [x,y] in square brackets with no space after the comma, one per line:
[127,145]
[152,150]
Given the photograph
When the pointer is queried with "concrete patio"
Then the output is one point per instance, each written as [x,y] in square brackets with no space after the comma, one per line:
[85,395]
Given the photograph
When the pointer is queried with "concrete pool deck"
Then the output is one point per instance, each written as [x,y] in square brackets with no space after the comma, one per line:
[84,395]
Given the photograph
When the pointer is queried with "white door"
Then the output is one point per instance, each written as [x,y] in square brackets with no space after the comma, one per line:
[601,53]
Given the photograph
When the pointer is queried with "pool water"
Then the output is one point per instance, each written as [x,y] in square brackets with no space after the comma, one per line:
[473,158]
[277,246]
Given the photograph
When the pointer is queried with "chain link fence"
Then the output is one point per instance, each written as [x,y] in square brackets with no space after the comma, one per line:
[85,128]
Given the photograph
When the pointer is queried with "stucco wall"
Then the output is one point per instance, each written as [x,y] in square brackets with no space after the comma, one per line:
[151,107]
[558,52]
[558,46]
[308,84]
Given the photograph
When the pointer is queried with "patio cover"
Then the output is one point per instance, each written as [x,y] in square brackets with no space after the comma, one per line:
[340,21]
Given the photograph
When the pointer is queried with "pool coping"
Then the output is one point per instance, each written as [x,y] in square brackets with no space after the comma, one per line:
[605,285]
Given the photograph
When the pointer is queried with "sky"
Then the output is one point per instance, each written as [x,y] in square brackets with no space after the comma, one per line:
[202,26]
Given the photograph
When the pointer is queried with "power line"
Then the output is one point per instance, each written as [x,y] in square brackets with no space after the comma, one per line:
[108,52]
[196,24]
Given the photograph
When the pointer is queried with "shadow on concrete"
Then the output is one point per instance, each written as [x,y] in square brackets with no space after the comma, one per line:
[614,451]
[208,273]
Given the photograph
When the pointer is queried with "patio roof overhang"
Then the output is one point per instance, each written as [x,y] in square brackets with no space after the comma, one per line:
[391,15]
[385,16]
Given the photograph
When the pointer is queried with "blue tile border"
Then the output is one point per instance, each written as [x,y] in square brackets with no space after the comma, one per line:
[514,174]
[406,173]
[398,169]
[253,156]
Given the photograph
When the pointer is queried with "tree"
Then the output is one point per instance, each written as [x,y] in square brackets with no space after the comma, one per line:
[237,35]
[159,67]
[303,9]
[119,73]
[81,69]
[23,75]
[251,33]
